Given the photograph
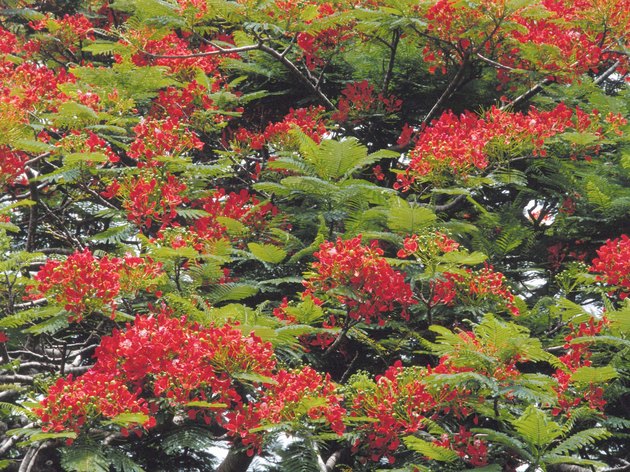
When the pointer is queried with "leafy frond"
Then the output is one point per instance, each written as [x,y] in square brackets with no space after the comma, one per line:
[580,440]
[84,459]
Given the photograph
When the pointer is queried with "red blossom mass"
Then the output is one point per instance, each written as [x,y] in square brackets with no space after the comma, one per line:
[613,264]
[376,288]
[83,283]
[293,201]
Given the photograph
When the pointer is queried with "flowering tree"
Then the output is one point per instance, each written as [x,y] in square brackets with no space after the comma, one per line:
[308,235]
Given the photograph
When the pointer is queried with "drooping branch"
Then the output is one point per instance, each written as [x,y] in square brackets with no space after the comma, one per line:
[260,46]
[219,51]
[293,68]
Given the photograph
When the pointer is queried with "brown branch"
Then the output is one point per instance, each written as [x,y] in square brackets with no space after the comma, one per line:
[535,90]
[607,73]
[304,79]
[496,64]
[392,58]
[219,51]
[236,460]
[448,92]
[332,461]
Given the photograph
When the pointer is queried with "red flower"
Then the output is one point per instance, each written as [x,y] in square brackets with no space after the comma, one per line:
[377,289]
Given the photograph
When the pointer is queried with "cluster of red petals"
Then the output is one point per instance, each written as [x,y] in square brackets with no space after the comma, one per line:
[282,401]
[490,28]
[402,400]
[612,264]
[458,144]
[161,138]
[8,42]
[474,287]
[308,120]
[31,86]
[71,403]
[432,244]
[315,45]
[243,207]
[360,98]
[173,45]
[69,30]
[78,142]
[162,358]
[83,283]
[198,7]
[377,289]
[11,166]
[149,197]
[578,355]
[400,403]
[181,103]
[471,449]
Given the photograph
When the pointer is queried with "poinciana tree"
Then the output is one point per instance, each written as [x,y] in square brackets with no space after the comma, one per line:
[306,235]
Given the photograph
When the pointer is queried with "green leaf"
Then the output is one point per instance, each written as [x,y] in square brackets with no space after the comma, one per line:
[126,419]
[84,459]
[62,434]
[78,157]
[506,440]
[267,252]
[121,462]
[581,139]
[234,227]
[203,404]
[430,450]
[536,428]
[580,439]
[595,375]
[256,378]
[51,325]
[407,219]
[464,258]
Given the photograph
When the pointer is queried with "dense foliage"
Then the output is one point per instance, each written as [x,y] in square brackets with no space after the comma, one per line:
[306,235]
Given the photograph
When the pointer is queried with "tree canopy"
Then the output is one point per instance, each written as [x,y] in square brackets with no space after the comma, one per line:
[324,236]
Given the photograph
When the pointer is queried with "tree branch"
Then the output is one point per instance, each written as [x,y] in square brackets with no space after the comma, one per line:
[218,52]
[237,460]
[293,68]
[392,58]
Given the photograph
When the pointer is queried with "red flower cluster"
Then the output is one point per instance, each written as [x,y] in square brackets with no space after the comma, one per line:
[455,31]
[11,167]
[77,142]
[359,99]
[8,42]
[578,355]
[166,138]
[376,288]
[242,207]
[173,45]
[471,449]
[72,403]
[474,287]
[308,120]
[149,197]
[399,402]
[69,30]
[84,284]
[180,103]
[613,264]
[429,245]
[456,145]
[170,363]
[31,86]
[283,401]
